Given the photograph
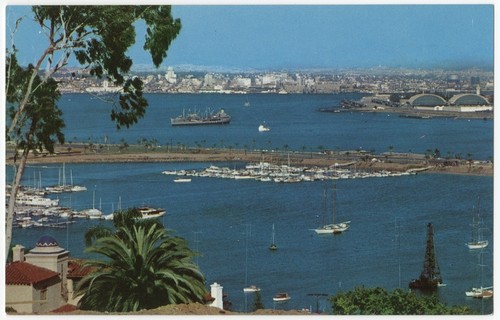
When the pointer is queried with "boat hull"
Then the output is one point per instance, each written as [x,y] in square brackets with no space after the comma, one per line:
[333,228]
[176,122]
[281,297]
[251,289]
[480,293]
[477,244]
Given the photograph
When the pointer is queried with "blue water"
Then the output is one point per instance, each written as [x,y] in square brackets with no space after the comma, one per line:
[230,221]
[293,119]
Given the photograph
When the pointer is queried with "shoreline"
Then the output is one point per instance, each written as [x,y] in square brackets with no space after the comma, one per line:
[353,159]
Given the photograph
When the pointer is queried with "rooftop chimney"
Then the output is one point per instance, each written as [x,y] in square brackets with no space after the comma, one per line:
[18,253]
[216,292]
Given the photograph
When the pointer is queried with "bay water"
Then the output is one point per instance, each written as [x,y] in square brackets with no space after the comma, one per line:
[229,222]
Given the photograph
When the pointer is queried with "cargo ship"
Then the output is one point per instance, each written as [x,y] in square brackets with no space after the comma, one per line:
[195,118]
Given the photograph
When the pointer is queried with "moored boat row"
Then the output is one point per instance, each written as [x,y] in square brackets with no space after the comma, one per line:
[267,172]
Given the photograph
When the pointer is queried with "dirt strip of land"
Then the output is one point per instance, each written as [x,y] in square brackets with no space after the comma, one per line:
[355,161]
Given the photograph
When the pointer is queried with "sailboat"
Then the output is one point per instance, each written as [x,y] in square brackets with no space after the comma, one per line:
[333,227]
[251,288]
[92,213]
[476,241]
[273,245]
[430,277]
[481,292]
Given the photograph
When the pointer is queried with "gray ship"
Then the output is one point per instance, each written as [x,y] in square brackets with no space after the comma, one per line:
[195,118]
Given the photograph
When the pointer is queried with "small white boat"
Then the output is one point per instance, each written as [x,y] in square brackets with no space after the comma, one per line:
[480,293]
[169,172]
[109,216]
[91,213]
[476,239]
[151,213]
[251,288]
[182,180]
[281,297]
[263,128]
[78,188]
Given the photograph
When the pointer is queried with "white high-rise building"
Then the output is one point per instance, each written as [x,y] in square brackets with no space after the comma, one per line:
[170,76]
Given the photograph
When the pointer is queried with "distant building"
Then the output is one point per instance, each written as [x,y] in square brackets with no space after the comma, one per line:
[465,102]
[208,80]
[170,76]
[425,100]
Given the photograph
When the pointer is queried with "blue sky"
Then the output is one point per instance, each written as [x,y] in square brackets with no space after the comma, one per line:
[313,36]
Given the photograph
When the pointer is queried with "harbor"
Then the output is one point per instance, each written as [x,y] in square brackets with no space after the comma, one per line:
[388,219]
[222,179]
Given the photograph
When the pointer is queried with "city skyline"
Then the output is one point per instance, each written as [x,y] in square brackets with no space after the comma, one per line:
[270,37]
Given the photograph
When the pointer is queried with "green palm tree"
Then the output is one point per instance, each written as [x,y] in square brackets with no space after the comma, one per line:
[145,268]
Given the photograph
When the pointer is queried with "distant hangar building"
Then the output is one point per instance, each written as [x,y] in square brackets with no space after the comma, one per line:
[465,102]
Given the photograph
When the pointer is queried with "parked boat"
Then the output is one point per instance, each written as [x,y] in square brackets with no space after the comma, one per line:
[247,103]
[38,201]
[281,297]
[332,227]
[182,180]
[151,213]
[251,288]
[247,288]
[481,292]
[430,277]
[62,186]
[476,236]
[195,118]
[273,245]
[264,128]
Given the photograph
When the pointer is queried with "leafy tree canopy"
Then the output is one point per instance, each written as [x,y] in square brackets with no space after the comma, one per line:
[378,301]
[41,123]
[145,268]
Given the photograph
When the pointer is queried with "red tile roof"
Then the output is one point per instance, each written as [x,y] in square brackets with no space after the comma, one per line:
[77,270]
[23,273]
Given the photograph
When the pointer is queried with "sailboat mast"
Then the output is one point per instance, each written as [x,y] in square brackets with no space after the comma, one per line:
[478,230]
[324,207]
[64,175]
[333,202]
[273,235]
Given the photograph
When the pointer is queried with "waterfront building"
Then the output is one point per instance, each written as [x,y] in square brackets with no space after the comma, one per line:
[464,102]
[42,280]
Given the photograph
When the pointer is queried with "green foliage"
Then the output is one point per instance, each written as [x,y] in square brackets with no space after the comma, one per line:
[257,302]
[100,36]
[42,122]
[377,301]
[145,268]
[122,220]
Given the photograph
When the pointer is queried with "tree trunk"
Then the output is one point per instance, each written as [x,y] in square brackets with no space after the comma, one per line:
[19,170]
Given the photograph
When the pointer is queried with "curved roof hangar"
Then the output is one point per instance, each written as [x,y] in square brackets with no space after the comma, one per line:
[468,99]
[426,99]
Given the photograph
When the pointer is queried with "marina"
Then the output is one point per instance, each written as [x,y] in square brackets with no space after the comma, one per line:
[267,172]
